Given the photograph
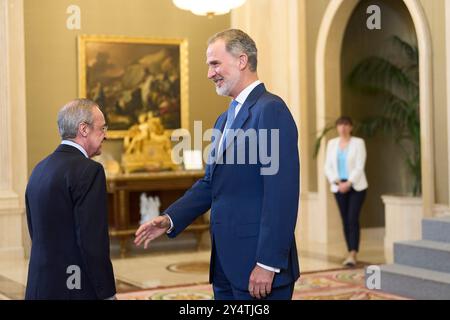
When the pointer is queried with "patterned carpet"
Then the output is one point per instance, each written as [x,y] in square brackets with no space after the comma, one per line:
[345,284]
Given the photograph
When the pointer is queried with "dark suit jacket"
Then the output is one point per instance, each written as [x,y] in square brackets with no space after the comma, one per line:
[68,224]
[253,216]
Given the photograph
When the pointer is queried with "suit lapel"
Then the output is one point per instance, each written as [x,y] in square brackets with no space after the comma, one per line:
[220,125]
[241,118]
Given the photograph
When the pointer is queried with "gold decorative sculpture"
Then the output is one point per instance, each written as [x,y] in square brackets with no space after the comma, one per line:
[147,146]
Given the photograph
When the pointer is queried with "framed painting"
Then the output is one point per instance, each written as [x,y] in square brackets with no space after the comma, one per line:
[131,78]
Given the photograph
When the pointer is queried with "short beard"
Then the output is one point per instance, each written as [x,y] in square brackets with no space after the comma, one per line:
[223,91]
[226,88]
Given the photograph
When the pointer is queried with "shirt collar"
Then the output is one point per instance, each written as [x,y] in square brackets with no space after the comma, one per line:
[245,93]
[75,145]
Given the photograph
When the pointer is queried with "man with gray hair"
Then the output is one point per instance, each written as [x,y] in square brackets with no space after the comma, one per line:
[253,215]
[67,213]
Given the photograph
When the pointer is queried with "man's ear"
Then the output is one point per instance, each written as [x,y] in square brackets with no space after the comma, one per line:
[243,61]
[83,129]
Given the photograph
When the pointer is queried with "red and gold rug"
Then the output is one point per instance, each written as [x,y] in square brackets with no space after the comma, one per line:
[346,284]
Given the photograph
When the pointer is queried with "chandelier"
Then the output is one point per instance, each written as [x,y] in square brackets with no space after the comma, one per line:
[208,8]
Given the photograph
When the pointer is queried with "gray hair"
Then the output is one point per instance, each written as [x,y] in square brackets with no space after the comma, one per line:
[238,42]
[72,114]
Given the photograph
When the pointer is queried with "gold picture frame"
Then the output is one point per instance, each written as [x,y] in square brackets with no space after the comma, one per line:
[123,74]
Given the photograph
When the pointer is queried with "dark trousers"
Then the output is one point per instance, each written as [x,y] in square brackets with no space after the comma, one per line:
[224,290]
[350,204]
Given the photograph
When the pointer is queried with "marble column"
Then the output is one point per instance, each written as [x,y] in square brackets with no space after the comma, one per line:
[13,152]
[280,36]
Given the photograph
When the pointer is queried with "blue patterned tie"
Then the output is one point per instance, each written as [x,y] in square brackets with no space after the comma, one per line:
[230,118]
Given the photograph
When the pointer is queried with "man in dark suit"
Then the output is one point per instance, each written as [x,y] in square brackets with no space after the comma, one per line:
[67,213]
[253,202]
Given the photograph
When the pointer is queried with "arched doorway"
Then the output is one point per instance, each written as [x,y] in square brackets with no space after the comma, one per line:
[329,99]
[393,45]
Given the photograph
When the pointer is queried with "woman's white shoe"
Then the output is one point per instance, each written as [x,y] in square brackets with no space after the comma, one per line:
[349,262]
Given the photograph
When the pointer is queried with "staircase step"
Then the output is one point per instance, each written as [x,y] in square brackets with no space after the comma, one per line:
[436,229]
[415,283]
[423,254]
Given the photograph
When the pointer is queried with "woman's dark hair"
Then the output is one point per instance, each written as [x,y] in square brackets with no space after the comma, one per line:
[344,120]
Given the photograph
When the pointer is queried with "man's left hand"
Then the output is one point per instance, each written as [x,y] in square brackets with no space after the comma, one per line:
[260,284]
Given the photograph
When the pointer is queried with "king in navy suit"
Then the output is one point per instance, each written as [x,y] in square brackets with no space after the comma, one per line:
[253,201]
[67,213]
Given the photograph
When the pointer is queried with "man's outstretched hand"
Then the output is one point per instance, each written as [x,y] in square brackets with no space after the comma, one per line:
[152,230]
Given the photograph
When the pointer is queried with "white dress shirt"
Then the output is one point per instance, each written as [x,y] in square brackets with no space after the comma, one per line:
[76,145]
[241,100]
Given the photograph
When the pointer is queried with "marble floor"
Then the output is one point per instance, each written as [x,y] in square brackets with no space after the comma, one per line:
[143,270]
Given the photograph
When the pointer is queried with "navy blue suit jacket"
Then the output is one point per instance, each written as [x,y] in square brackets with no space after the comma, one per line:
[68,224]
[253,216]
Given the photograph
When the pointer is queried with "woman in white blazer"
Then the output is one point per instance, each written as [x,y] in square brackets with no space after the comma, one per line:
[344,168]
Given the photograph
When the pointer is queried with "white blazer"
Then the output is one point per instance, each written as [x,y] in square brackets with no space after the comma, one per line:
[356,160]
